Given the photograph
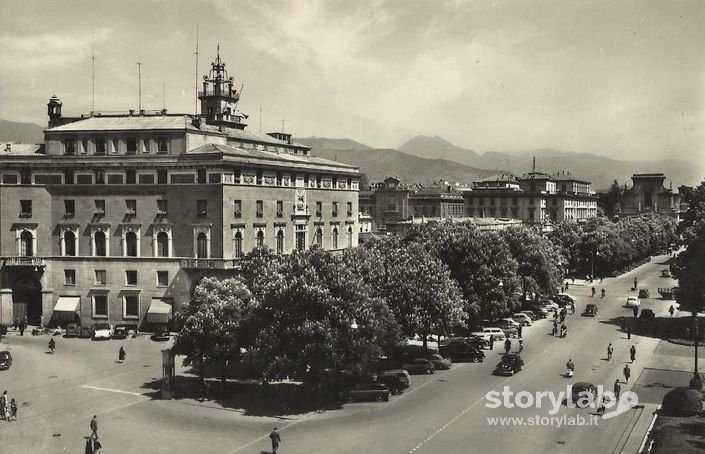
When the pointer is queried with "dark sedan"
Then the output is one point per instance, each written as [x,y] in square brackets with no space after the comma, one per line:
[440,362]
[5,360]
[120,332]
[419,366]
[590,310]
[369,391]
[582,394]
[161,333]
[510,365]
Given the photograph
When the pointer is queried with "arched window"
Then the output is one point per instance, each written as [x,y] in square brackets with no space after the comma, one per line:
[26,244]
[69,243]
[131,244]
[280,242]
[100,242]
[350,237]
[162,244]
[237,245]
[319,237]
[202,246]
[335,237]
[260,239]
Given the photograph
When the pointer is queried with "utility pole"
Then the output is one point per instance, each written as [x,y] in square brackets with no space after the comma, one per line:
[139,85]
[93,77]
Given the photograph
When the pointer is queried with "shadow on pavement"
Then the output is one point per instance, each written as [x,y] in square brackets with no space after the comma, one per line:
[678,330]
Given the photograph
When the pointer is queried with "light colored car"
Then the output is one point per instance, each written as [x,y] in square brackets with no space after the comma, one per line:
[633,301]
[522,319]
[487,332]
[102,331]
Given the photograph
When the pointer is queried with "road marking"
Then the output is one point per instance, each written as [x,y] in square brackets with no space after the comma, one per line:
[98,388]
[264,437]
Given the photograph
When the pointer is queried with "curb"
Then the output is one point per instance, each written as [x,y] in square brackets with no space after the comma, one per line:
[643,449]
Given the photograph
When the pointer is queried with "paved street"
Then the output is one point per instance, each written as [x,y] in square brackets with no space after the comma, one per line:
[444,412]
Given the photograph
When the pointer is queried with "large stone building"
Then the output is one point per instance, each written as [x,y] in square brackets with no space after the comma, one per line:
[648,194]
[118,215]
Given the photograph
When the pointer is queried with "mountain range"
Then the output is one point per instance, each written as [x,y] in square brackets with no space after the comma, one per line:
[425,159]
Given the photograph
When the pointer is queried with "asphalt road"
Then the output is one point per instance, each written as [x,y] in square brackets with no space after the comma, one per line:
[444,412]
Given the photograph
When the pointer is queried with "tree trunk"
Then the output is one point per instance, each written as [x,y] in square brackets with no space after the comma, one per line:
[202,371]
[424,339]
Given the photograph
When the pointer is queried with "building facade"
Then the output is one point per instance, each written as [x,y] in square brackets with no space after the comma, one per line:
[648,194]
[119,215]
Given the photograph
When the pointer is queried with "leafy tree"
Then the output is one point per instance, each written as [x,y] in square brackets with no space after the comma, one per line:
[213,323]
[612,199]
[693,222]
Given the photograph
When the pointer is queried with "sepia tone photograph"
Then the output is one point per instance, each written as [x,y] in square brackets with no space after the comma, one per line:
[327,226]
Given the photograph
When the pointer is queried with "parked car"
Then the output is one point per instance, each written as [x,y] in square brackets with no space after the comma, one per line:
[463,349]
[531,315]
[419,366]
[72,330]
[439,362]
[396,380]
[522,319]
[85,332]
[633,301]
[369,391]
[644,293]
[161,333]
[540,311]
[467,353]
[101,331]
[510,365]
[506,323]
[5,360]
[590,310]
[583,393]
[120,332]
[647,314]
[487,332]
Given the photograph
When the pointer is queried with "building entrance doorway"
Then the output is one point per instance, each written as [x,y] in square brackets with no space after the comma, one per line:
[27,299]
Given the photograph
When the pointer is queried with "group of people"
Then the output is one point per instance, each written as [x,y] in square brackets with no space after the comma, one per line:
[8,410]
[93,446]
[602,292]
[508,346]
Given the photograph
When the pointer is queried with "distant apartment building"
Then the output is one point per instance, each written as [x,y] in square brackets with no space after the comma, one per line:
[648,194]
[119,215]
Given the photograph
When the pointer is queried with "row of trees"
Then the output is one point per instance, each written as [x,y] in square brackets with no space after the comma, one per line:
[316,310]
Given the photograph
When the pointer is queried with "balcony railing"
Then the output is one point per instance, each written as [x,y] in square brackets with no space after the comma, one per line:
[24,261]
[211,264]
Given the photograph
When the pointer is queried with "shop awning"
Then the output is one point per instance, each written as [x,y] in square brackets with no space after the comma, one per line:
[66,307]
[159,311]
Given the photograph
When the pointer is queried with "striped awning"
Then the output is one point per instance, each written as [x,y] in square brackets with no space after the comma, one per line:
[66,306]
[159,311]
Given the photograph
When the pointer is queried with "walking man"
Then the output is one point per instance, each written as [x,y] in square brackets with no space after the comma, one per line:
[632,353]
[94,427]
[276,439]
[507,346]
[629,332]
[491,341]
[671,310]
[636,310]
[635,282]
[627,373]
[617,388]
[610,351]
[555,328]
[519,330]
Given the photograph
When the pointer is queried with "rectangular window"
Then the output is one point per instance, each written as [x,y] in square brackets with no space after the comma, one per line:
[69,208]
[115,178]
[132,306]
[99,177]
[280,208]
[131,145]
[84,179]
[259,208]
[25,208]
[145,178]
[319,208]
[9,178]
[130,176]
[482,202]
[146,144]
[162,176]
[131,207]
[162,207]
[68,176]
[25,176]
[84,146]
[162,278]
[201,174]
[335,209]
[202,208]
[100,146]
[162,145]
[350,209]
[99,206]
[215,178]
[130,277]
[69,147]
[182,178]
[100,305]
[237,208]
[116,145]
[101,277]
[69,277]
[48,179]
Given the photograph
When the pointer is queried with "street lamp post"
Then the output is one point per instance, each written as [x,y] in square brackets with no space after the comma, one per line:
[696,382]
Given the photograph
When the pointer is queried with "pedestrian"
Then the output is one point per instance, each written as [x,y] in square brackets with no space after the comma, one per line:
[572,307]
[276,439]
[566,284]
[635,282]
[97,447]
[519,330]
[635,309]
[555,328]
[632,353]
[3,405]
[94,427]
[17,323]
[121,354]
[491,341]
[610,351]
[601,279]
[629,331]
[593,292]
[627,373]
[507,346]
[617,388]
[671,310]
[521,346]
[623,322]
[89,446]
[22,327]
[13,409]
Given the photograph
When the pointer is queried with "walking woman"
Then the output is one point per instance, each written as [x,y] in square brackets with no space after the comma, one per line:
[121,354]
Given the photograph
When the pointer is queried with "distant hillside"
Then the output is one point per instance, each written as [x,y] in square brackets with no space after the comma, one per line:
[438,148]
[11,131]
[332,144]
[378,164]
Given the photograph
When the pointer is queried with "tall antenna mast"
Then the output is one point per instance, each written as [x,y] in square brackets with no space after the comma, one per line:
[139,84]
[195,110]
[93,77]
[163,95]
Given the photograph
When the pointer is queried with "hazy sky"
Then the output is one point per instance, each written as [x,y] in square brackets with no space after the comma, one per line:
[618,78]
